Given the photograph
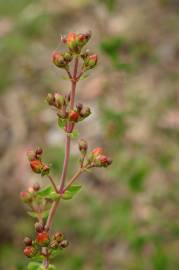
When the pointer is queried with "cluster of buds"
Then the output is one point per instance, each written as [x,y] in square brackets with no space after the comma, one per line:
[75,43]
[61,103]
[36,163]
[43,240]
[28,195]
[96,157]
[30,249]
[62,60]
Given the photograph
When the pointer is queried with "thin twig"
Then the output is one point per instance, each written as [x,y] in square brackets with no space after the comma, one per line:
[71,181]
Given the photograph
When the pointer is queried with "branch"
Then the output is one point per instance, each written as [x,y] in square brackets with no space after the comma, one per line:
[53,183]
[72,180]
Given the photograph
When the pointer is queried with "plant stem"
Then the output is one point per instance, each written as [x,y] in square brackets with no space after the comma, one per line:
[67,149]
[73,179]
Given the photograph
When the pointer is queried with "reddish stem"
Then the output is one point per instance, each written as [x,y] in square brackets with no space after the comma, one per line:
[67,148]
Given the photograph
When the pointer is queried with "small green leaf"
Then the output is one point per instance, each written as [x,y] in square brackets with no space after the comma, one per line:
[74,134]
[53,196]
[34,266]
[45,192]
[55,252]
[51,267]
[70,192]
[67,195]
[74,189]
[61,122]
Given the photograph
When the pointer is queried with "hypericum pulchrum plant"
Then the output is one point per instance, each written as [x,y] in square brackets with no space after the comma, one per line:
[42,203]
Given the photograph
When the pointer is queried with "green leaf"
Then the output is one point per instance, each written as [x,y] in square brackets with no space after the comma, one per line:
[51,267]
[32,214]
[48,193]
[74,189]
[55,253]
[34,266]
[61,122]
[43,214]
[70,192]
[74,134]
[45,192]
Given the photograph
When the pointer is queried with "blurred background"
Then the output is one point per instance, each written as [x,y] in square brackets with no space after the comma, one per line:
[127,216]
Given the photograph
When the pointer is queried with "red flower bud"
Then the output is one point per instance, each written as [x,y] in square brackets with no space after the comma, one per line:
[25,196]
[36,166]
[42,238]
[91,61]
[71,41]
[73,116]
[97,151]
[31,155]
[105,161]
[29,251]
[58,60]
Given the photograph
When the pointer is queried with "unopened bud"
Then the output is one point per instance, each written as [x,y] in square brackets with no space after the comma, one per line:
[71,41]
[25,196]
[58,60]
[59,100]
[54,244]
[50,99]
[85,112]
[36,166]
[39,227]
[97,151]
[73,116]
[27,241]
[64,244]
[67,57]
[45,170]
[38,152]
[42,238]
[91,61]
[82,39]
[36,187]
[83,145]
[58,236]
[29,251]
[105,161]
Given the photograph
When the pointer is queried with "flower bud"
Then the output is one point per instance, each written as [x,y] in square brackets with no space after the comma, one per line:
[59,100]
[29,251]
[38,152]
[31,155]
[67,57]
[85,112]
[64,244]
[42,238]
[27,241]
[25,196]
[97,151]
[50,99]
[54,244]
[36,187]
[45,170]
[30,190]
[62,114]
[58,236]
[36,166]
[72,42]
[83,145]
[91,61]
[82,39]
[105,161]
[58,60]
[39,227]
[73,116]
